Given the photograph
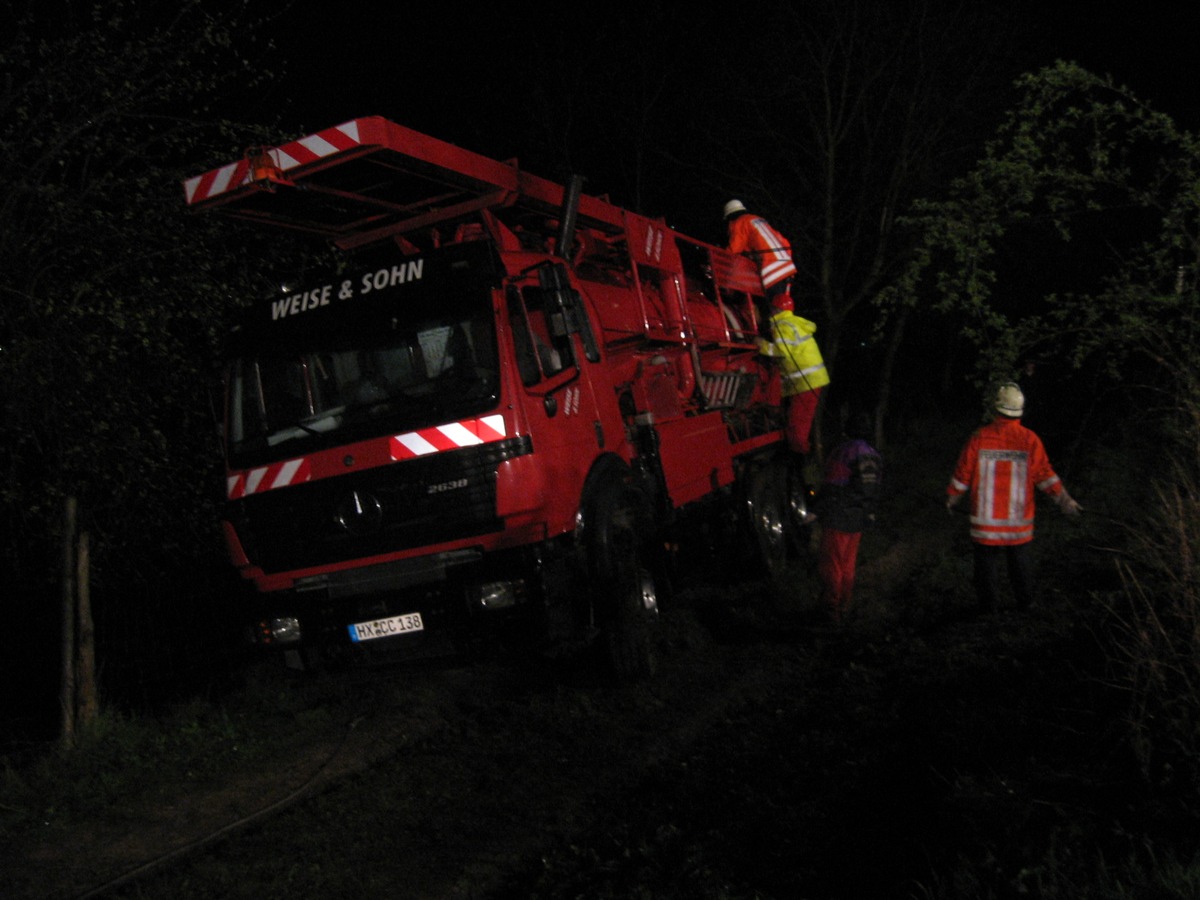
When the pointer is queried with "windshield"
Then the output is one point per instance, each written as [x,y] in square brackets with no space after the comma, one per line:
[441,369]
[418,351]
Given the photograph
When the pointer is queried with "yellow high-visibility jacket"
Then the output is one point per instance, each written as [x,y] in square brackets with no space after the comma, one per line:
[796,349]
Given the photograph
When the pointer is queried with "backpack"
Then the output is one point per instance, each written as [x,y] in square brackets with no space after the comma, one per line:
[862,491]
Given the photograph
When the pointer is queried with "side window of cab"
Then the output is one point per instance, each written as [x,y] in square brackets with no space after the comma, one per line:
[541,337]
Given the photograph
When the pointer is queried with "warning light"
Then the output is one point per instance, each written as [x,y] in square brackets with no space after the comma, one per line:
[264,168]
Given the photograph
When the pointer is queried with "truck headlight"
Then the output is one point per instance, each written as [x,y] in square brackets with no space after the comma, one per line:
[501,594]
[282,630]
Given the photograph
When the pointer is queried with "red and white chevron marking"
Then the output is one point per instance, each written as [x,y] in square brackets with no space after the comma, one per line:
[467,433]
[265,478]
[286,156]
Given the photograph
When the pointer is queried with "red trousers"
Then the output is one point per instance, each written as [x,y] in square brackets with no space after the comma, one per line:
[801,410]
[837,556]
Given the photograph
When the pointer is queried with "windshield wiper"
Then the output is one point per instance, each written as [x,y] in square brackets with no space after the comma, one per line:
[313,426]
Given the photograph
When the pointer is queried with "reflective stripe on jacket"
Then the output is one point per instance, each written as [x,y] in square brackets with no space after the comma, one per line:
[767,247]
[799,357]
[1000,465]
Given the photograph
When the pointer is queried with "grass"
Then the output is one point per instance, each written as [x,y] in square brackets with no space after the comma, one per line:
[122,760]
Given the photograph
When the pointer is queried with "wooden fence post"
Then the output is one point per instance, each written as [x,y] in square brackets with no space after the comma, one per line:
[67,687]
[88,703]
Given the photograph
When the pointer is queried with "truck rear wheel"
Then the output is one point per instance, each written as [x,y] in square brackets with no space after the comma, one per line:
[775,507]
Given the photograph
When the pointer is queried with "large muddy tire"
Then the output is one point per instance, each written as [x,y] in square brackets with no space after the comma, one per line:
[775,506]
[625,597]
[629,638]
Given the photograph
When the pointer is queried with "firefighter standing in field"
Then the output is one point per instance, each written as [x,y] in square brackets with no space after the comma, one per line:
[845,503]
[1001,465]
[791,341]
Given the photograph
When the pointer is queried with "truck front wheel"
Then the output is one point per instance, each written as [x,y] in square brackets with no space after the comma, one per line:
[626,599]
[629,636]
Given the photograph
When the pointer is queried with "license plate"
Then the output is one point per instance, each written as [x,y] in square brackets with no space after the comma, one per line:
[381,628]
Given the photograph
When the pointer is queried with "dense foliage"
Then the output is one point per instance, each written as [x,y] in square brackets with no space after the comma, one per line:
[1074,235]
[111,301]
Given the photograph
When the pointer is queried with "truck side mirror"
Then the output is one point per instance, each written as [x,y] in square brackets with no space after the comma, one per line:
[557,285]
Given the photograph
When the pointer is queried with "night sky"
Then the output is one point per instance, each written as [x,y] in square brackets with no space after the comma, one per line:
[473,74]
[439,66]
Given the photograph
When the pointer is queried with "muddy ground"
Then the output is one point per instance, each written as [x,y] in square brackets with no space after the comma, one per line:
[773,756]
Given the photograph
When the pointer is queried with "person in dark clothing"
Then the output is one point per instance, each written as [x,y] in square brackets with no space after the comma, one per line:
[845,505]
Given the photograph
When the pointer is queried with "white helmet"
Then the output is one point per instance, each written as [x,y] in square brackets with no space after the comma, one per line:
[1010,401]
[734,206]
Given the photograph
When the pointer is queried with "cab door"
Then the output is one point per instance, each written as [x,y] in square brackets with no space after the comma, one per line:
[554,352]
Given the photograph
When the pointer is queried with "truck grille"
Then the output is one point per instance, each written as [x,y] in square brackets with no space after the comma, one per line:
[409,504]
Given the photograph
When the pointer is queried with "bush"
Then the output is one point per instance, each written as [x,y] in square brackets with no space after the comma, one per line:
[1154,634]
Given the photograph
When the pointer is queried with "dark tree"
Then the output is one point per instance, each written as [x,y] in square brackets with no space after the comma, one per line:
[111,301]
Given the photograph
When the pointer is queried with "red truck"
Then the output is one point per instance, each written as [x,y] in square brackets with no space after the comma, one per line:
[509,403]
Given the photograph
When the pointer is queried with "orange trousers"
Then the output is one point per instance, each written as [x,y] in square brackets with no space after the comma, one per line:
[837,558]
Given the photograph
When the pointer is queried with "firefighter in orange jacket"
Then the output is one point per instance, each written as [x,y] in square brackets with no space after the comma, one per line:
[754,236]
[1001,465]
